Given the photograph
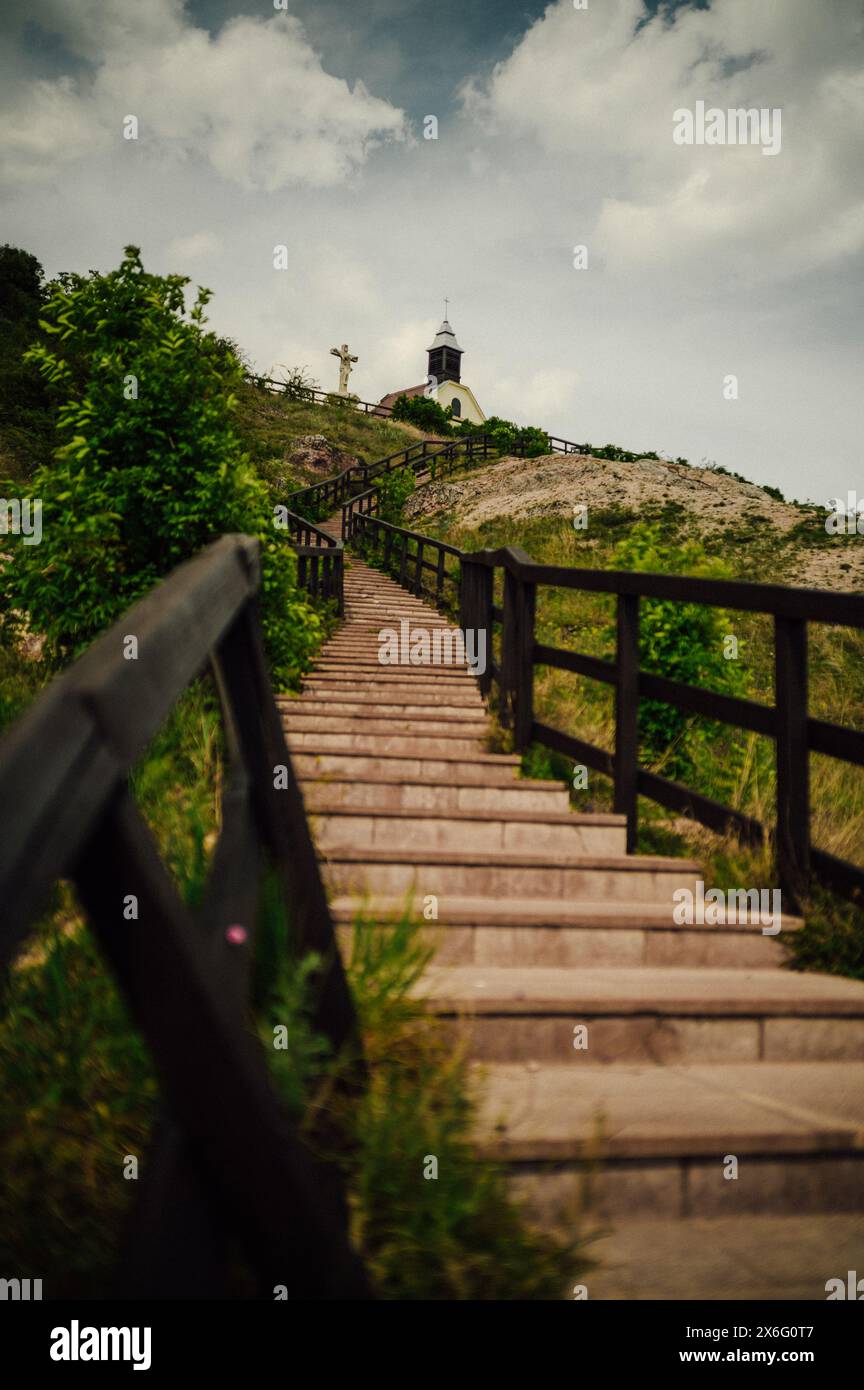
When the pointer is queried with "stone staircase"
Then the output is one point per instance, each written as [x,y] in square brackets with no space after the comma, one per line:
[699,1048]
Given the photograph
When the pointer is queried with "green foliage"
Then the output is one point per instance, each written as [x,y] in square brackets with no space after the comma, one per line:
[460,1235]
[77,1086]
[616,453]
[681,641]
[148,470]
[506,436]
[394,490]
[832,939]
[26,424]
[77,1094]
[424,412]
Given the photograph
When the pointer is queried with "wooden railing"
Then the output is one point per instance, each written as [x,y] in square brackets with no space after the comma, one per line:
[320,560]
[514,655]
[227,1167]
[315,396]
[425,458]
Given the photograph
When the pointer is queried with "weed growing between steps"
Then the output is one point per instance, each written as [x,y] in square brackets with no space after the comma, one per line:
[832,938]
[457,1236]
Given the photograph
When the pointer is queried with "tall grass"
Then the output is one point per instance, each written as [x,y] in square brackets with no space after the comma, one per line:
[730,765]
[459,1235]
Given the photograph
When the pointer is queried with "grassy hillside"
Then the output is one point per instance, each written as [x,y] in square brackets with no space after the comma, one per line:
[269,426]
[737,535]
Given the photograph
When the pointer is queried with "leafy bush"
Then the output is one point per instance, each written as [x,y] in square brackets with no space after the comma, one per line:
[393,492]
[424,412]
[681,641]
[148,470]
[506,436]
[26,423]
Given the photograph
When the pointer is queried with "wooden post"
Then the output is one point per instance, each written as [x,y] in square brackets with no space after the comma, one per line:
[418,572]
[793,762]
[475,608]
[403,558]
[627,714]
[523,663]
[439,577]
[509,651]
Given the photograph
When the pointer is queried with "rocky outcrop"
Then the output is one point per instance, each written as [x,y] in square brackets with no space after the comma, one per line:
[315,454]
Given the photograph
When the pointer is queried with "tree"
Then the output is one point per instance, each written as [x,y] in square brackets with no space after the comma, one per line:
[25,417]
[148,469]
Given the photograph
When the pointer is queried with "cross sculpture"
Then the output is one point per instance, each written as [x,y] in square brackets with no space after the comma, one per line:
[345,360]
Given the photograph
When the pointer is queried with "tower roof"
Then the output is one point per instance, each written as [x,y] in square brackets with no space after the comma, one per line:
[445,337]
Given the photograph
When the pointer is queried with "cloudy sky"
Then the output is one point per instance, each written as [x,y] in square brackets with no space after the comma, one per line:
[303,126]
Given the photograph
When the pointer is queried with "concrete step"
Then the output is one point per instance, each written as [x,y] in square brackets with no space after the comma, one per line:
[613,878]
[391,687]
[371,667]
[297,721]
[664,1136]
[534,932]
[668,1015]
[478,769]
[532,832]
[371,698]
[382,793]
[776,1258]
[376,744]
[473,716]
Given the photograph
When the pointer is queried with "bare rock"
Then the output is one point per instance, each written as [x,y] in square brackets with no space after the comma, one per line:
[315,453]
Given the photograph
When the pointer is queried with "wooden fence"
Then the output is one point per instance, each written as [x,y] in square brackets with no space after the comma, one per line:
[411,557]
[320,560]
[227,1169]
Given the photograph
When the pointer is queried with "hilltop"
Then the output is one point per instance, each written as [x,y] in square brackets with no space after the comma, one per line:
[293,442]
[786,541]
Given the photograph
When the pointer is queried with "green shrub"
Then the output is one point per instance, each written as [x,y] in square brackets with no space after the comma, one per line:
[681,641]
[148,469]
[506,436]
[393,492]
[26,424]
[424,412]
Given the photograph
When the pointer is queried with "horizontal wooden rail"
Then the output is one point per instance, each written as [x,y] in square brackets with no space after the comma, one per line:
[226,1164]
[794,733]
[320,559]
[316,396]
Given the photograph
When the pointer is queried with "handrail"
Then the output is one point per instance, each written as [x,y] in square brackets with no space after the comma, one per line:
[320,558]
[787,721]
[316,395]
[67,812]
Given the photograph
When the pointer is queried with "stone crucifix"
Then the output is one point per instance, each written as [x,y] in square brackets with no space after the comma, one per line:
[345,360]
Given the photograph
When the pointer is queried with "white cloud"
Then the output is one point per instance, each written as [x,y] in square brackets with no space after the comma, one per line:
[597,98]
[702,262]
[253,102]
